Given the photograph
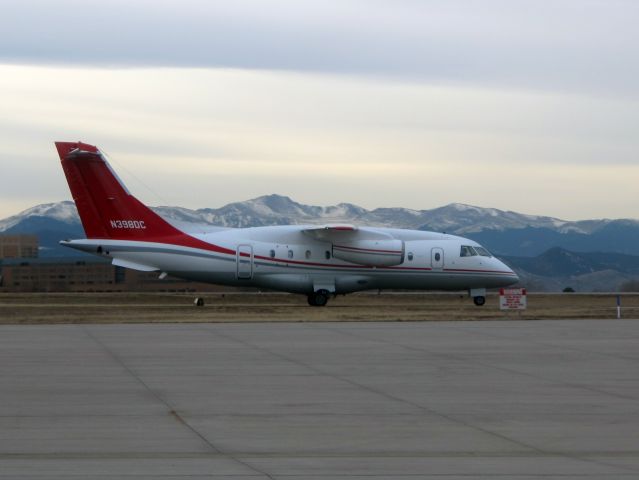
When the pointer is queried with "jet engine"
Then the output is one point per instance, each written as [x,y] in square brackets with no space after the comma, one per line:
[372,253]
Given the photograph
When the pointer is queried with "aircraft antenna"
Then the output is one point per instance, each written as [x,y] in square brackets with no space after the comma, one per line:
[120,166]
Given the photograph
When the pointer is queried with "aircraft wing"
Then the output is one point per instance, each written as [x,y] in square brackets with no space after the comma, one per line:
[336,233]
[362,246]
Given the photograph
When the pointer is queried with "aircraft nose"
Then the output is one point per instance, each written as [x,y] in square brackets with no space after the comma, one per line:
[509,274]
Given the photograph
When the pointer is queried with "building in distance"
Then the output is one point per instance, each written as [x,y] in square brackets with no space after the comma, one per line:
[18,246]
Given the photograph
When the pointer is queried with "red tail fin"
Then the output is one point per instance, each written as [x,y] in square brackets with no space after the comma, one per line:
[106,207]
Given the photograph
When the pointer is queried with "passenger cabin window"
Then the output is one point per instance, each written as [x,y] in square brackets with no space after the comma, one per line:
[410,256]
[308,254]
[483,252]
[290,254]
[272,253]
[327,254]
[467,251]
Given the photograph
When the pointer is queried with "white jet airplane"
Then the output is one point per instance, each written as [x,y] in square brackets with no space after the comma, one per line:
[314,260]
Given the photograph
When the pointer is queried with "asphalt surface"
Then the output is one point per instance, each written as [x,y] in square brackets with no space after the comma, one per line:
[450,400]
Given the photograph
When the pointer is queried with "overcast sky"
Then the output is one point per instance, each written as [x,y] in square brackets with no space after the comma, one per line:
[531,106]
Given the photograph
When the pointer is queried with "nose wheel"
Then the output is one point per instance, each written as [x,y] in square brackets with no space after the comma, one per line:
[478,295]
[318,299]
[479,301]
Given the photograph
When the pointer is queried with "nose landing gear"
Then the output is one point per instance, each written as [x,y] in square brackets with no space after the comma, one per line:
[479,296]
[479,301]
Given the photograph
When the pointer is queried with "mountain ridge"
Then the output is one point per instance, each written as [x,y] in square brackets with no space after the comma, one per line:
[459,218]
[503,231]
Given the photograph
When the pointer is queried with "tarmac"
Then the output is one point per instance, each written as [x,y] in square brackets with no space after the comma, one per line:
[432,400]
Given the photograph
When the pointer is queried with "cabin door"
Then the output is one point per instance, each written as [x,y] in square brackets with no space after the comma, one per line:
[437,258]
[244,260]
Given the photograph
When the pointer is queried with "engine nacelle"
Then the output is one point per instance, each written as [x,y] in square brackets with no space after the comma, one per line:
[373,253]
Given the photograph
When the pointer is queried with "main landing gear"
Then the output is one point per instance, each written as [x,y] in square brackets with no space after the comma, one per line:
[318,299]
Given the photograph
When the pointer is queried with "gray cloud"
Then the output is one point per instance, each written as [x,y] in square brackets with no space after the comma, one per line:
[562,45]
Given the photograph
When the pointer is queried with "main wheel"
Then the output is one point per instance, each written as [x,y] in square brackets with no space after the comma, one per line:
[317,299]
[479,301]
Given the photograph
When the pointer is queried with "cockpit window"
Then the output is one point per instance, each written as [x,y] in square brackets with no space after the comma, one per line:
[467,251]
[483,252]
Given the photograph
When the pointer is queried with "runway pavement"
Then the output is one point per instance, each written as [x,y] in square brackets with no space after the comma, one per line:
[450,400]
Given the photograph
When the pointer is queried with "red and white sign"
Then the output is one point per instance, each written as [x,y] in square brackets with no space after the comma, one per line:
[512,299]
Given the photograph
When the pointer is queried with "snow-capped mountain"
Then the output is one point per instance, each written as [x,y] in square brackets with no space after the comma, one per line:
[455,218]
[263,211]
[63,212]
[505,232]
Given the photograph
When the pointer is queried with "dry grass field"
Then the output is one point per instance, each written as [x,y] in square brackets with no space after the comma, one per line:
[268,307]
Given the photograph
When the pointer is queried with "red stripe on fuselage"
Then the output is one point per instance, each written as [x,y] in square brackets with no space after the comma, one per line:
[461,270]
